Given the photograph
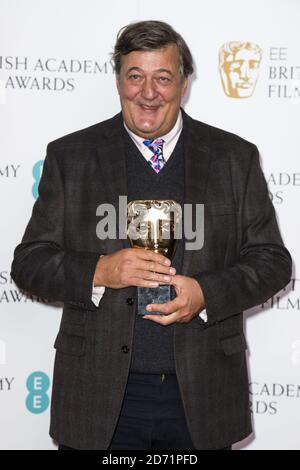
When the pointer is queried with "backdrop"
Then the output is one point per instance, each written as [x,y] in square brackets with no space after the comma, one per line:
[57,77]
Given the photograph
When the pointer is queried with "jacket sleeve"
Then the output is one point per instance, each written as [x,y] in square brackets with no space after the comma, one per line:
[263,264]
[42,265]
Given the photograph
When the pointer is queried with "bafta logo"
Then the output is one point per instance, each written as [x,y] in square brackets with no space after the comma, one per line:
[239,68]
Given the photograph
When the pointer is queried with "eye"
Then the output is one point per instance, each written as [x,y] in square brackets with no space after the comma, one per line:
[163,79]
[135,77]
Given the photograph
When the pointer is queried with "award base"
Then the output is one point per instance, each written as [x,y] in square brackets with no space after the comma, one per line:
[152,295]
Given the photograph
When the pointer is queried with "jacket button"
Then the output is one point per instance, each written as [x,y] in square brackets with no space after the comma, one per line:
[125,349]
[130,301]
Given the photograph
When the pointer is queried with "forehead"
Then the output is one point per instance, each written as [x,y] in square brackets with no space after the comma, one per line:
[155,59]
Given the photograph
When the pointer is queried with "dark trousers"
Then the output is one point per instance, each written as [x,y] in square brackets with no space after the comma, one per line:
[152,416]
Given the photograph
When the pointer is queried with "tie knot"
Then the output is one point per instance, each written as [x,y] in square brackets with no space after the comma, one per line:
[155,145]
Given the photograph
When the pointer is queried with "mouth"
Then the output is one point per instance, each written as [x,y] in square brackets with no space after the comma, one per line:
[149,109]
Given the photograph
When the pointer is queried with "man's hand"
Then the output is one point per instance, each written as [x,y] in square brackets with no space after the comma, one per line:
[133,267]
[188,303]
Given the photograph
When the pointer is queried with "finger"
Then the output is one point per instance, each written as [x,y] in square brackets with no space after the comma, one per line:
[152,276]
[164,320]
[155,267]
[136,281]
[166,308]
[177,281]
[152,256]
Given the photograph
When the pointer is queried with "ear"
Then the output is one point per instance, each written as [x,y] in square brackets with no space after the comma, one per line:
[184,87]
[118,83]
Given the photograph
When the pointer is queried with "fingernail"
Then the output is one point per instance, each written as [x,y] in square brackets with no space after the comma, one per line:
[172,271]
[168,262]
[148,308]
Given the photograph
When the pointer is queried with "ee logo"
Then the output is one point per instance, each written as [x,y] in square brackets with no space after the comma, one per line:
[37,173]
[37,384]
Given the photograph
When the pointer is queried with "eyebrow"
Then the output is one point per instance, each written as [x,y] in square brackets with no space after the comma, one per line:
[139,69]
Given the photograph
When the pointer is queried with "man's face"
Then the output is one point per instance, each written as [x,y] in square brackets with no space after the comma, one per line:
[151,88]
[242,73]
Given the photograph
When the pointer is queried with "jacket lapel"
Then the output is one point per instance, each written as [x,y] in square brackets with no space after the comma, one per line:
[111,155]
[197,154]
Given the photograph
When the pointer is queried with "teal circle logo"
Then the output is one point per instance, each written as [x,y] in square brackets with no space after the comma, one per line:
[37,173]
[37,384]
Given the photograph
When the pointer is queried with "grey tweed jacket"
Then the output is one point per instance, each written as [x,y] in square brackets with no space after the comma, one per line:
[243,263]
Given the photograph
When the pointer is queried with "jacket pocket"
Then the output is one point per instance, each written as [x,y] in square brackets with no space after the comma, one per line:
[234,344]
[70,340]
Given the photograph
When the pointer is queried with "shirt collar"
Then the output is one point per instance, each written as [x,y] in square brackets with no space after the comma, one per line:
[170,139]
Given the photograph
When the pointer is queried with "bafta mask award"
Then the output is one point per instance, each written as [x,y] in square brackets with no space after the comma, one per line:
[154,225]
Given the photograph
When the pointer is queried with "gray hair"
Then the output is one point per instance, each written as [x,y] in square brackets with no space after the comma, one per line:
[149,35]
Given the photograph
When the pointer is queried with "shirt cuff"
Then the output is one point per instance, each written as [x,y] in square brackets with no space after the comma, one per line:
[97,294]
[203,315]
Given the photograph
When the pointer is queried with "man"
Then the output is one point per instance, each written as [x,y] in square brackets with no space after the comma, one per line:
[176,380]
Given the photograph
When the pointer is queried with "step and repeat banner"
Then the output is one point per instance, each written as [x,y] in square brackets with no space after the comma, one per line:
[56,76]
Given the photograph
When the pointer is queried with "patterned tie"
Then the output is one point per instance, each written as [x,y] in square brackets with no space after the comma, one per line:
[157,160]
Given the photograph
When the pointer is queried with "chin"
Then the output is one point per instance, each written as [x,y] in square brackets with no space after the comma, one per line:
[147,128]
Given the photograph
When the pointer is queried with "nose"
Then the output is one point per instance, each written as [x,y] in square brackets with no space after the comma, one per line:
[245,71]
[149,91]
